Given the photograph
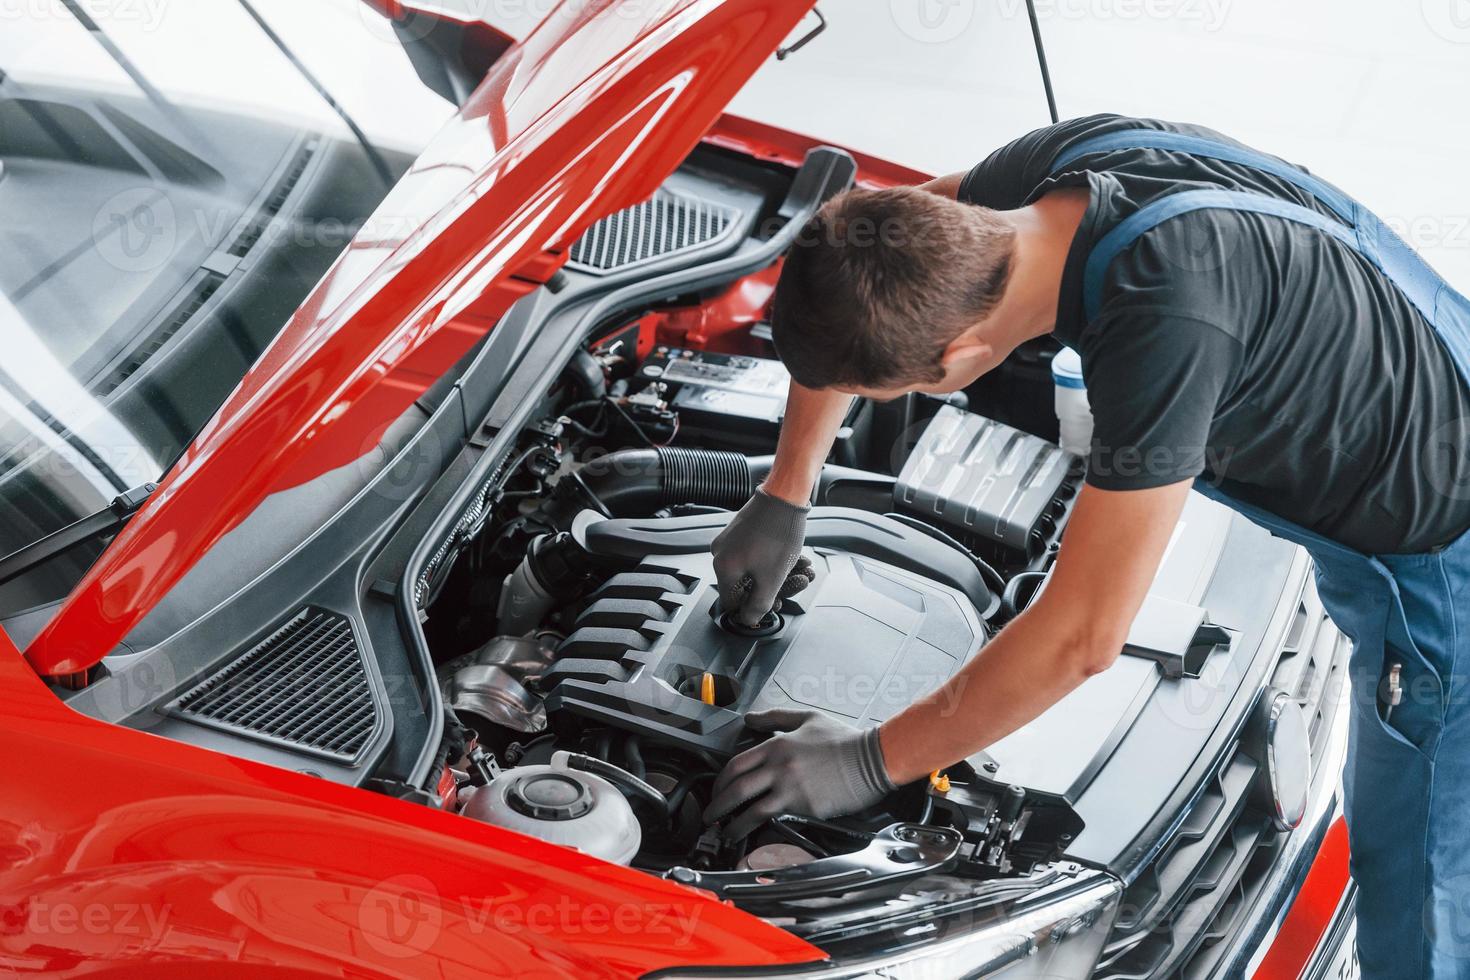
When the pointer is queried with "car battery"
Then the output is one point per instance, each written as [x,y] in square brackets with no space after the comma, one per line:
[988,480]
[728,401]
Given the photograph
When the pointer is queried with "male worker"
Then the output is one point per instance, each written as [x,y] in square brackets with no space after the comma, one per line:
[1241,322]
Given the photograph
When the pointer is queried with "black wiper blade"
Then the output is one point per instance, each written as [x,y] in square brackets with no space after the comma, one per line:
[108,520]
[151,91]
[374,157]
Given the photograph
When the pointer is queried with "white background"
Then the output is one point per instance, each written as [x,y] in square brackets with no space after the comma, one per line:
[1374,95]
[1370,94]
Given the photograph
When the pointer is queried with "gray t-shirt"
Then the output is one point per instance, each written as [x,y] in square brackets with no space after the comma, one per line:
[1250,350]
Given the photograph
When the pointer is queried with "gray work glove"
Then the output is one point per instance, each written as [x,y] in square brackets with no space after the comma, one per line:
[817,767]
[758,557]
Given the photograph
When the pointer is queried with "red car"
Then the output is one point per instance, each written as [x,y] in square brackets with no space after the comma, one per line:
[402,657]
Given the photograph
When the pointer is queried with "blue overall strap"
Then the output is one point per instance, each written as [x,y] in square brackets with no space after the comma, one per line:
[1157,139]
[1126,232]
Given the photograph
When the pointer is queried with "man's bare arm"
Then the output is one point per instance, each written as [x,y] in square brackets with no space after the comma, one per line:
[1110,552]
[812,419]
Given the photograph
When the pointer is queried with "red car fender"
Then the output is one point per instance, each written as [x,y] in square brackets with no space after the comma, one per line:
[125,853]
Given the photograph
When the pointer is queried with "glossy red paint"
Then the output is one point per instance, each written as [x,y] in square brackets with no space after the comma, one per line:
[722,323]
[126,854]
[587,115]
[1312,910]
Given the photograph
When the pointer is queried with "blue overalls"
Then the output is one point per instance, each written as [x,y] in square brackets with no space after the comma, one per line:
[1407,780]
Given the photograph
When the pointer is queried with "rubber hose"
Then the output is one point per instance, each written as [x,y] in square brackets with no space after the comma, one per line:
[705,476]
[630,784]
[1010,600]
[633,482]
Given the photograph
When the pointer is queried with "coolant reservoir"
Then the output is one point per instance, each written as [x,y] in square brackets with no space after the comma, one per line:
[1074,414]
[563,805]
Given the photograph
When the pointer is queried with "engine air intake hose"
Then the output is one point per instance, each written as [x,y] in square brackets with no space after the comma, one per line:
[637,481]
[705,476]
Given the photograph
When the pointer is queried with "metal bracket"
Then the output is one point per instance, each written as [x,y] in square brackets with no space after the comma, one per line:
[805,39]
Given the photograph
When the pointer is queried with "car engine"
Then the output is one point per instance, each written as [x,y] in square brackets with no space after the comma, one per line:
[598,688]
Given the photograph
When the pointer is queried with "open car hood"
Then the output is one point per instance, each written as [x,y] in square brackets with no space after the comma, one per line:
[587,115]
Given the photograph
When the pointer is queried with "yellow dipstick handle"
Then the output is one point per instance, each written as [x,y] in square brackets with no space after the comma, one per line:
[939,781]
[707,688]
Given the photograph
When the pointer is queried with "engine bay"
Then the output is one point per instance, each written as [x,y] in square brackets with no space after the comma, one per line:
[597,689]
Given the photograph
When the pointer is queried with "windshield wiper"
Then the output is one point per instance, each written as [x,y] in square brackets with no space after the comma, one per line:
[108,520]
[169,110]
[374,157]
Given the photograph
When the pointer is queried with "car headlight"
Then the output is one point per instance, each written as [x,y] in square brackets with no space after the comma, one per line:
[1059,939]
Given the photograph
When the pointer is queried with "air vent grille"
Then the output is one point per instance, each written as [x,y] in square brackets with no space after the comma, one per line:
[266,213]
[305,687]
[663,225]
[194,299]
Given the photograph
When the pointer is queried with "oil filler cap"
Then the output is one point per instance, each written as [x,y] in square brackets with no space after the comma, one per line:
[550,796]
[770,625]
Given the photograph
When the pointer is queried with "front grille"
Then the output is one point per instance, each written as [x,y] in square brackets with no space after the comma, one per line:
[663,225]
[1180,913]
[305,688]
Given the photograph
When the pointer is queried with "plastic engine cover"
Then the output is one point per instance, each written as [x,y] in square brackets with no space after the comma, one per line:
[862,642]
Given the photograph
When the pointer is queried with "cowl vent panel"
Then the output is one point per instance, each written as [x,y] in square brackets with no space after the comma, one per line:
[663,225]
[306,688]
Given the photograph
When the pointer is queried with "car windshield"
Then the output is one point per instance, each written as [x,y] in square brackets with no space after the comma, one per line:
[161,218]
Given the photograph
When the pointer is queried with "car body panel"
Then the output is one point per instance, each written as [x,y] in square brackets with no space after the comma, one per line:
[166,853]
[1313,911]
[585,116]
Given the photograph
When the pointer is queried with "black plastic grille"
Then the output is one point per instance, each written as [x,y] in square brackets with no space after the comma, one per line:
[1181,912]
[271,206]
[193,300]
[662,225]
[305,687]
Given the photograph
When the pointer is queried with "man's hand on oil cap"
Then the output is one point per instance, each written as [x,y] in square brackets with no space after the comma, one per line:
[758,557]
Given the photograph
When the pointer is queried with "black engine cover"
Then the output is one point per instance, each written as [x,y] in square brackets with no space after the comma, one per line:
[866,639]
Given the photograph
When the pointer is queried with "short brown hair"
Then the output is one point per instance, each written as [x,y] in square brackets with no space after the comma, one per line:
[880,281]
